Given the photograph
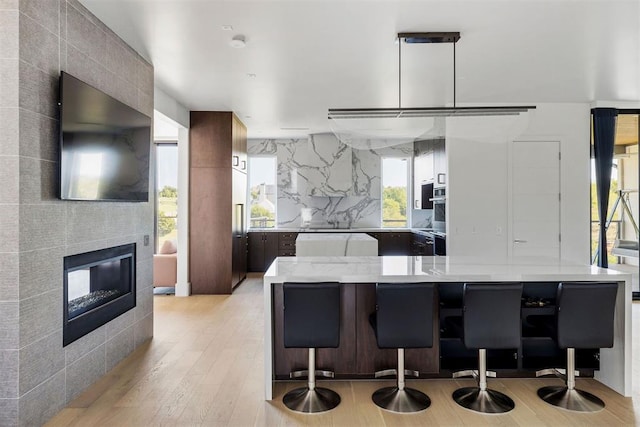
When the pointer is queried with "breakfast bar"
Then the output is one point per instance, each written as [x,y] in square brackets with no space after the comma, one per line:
[357,356]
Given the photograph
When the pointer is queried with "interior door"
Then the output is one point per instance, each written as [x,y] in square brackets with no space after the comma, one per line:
[535,198]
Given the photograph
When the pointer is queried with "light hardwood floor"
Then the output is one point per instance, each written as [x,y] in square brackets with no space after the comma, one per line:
[204,367]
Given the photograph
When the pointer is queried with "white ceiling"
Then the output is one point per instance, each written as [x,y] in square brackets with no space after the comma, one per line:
[311,55]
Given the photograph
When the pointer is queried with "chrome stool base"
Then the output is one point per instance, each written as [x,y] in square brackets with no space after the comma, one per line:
[484,401]
[570,399]
[309,401]
[406,400]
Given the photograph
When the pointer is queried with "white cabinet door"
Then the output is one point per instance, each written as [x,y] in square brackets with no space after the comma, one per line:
[535,198]
[422,172]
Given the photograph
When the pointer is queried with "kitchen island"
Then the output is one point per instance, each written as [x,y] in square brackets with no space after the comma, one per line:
[358,357]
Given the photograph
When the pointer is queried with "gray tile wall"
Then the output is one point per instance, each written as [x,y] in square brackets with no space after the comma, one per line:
[38,39]
[9,214]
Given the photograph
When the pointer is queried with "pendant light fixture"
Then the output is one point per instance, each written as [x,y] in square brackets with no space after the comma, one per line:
[378,127]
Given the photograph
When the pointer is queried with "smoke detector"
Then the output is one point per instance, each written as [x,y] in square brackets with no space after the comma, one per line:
[238,42]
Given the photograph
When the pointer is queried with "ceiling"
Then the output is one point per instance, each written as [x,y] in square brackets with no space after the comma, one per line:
[311,55]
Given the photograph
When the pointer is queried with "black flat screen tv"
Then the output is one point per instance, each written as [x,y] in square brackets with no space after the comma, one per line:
[104,146]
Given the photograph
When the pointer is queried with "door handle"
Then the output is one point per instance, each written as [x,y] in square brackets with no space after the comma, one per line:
[519,241]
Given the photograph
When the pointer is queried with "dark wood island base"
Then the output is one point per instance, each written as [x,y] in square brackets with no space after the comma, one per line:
[358,356]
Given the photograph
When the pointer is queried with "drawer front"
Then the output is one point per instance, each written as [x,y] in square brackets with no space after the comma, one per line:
[287,245]
[287,237]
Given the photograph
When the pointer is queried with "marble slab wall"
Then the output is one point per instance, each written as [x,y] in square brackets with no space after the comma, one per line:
[38,39]
[328,182]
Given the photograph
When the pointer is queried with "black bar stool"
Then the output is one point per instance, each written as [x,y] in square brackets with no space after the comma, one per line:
[491,320]
[311,320]
[584,319]
[403,319]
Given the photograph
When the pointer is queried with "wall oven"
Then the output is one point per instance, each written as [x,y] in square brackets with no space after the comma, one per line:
[439,209]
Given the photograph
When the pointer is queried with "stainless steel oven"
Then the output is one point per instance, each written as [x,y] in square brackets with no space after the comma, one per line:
[439,209]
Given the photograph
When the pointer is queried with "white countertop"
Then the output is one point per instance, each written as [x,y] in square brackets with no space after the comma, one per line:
[373,269]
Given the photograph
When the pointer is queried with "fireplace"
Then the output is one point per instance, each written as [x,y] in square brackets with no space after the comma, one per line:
[98,287]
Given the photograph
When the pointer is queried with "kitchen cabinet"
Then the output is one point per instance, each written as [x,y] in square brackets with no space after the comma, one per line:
[239,146]
[394,243]
[357,354]
[263,249]
[239,231]
[287,243]
[424,173]
[421,245]
[439,163]
[217,226]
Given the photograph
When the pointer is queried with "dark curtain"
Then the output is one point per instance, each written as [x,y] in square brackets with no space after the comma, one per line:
[604,132]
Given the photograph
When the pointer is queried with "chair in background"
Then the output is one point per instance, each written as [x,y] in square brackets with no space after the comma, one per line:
[165,266]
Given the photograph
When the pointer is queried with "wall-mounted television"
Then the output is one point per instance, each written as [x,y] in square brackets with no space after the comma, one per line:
[104,146]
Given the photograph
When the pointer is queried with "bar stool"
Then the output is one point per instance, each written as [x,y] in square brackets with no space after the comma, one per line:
[311,320]
[403,319]
[584,319]
[491,320]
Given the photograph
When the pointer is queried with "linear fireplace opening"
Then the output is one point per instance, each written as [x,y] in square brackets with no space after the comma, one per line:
[98,287]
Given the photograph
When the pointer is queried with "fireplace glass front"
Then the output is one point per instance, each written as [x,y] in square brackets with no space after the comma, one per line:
[98,287]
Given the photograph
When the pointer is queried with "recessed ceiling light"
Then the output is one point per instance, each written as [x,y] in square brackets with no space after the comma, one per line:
[238,42]
[294,128]
[251,75]
[227,27]
[247,117]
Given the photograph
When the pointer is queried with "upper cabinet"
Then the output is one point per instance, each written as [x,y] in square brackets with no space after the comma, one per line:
[439,164]
[239,145]
[429,171]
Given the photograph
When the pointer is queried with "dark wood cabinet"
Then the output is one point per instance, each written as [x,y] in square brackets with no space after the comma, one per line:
[358,354]
[341,360]
[287,243]
[217,200]
[263,249]
[239,147]
[394,243]
[421,245]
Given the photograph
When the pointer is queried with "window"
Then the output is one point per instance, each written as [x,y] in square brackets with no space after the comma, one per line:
[262,192]
[166,192]
[613,230]
[395,175]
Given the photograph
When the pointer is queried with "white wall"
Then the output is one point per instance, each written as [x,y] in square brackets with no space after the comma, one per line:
[171,108]
[177,115]
[477,188]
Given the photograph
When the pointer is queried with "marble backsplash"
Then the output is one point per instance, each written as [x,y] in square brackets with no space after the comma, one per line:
[322,182]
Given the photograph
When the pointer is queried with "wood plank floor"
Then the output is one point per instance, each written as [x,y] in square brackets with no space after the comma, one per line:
[205,367]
